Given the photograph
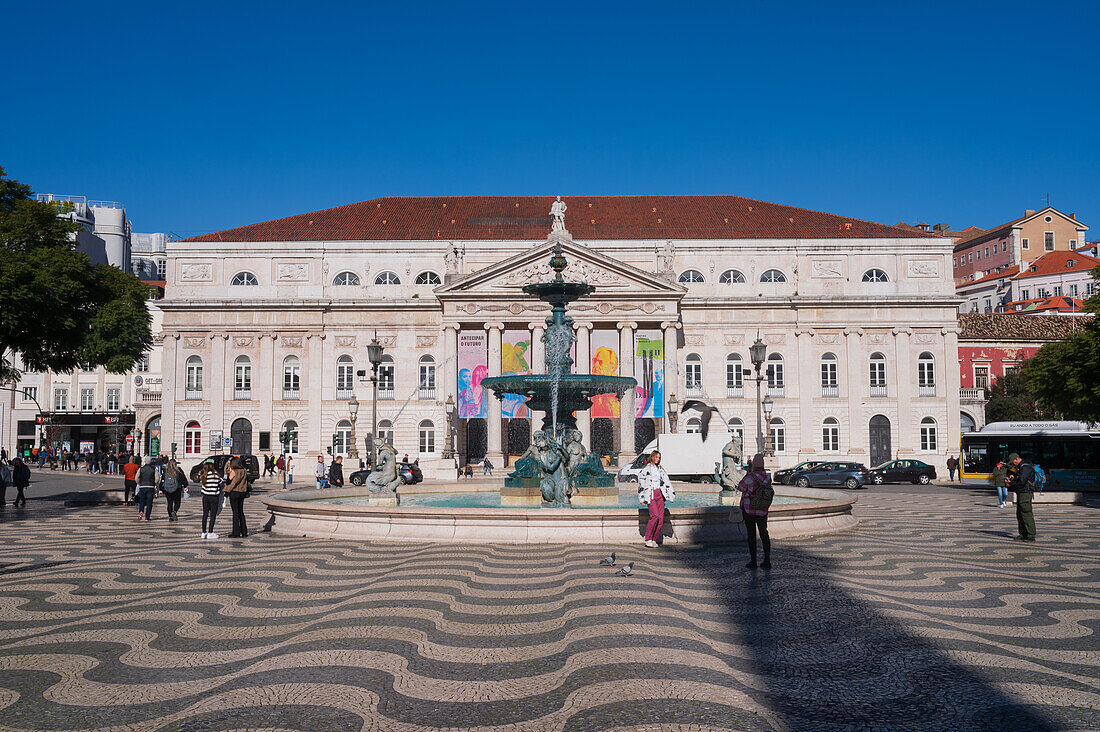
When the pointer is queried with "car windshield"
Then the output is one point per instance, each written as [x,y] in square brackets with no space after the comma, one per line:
[884,465]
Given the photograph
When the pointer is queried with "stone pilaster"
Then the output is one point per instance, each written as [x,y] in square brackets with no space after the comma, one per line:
[904,437]
[672,369]
[495,449]
[584,366]
[854,367]
[626,404]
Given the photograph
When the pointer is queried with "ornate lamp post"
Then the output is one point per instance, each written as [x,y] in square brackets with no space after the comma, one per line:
[768,404]
[353,409]
[757,353]
[673,412]
[286,437]
[449,449]
[374,355]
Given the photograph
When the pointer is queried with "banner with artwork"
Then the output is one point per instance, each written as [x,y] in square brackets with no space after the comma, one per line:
[472,368]
[605,362]
[515,358]
[649,370]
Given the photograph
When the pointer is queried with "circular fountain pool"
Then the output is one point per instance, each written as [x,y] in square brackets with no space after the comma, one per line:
[433,514]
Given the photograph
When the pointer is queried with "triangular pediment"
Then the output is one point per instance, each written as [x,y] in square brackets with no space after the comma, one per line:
[611,277]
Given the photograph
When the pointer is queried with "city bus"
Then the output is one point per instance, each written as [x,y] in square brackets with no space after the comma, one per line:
[1069,452]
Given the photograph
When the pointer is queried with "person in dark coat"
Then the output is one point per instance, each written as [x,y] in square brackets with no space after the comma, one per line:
[1023,483]
[336,473]
[20,478]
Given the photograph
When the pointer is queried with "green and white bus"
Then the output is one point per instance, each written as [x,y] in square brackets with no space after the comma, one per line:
[1069,452]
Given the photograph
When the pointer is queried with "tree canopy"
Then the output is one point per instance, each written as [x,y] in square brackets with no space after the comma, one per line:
[1010,400]
[57,309]
[1065,376]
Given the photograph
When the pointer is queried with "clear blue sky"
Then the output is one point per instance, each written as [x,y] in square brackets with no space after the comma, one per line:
[202,116]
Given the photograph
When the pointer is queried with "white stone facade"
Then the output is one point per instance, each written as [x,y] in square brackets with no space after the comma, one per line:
[849,298]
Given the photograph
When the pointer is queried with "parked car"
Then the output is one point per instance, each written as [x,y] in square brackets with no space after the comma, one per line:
[410,474]
[903,471]
[784,476]
[823,475]
[250,463]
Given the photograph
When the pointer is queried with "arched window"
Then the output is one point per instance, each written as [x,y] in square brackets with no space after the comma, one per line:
[387,278]
[773,275]
[192,439]
[242,378]
[427,437]
[830,435]
[966,423]
[385,432]
[291,427]
[292,378]
[735,375]
[731,277]
[244,279]
[386,378]
[875,275]
[774,372]
[926,375]
[427,377]
[693,426]
[928,434]
[693,375]
[342,443]
[345,377]
[345,279]
[428,278]
[829,384]
[193,384]
[877,373]
[777,435]
[737,427]
[690,277]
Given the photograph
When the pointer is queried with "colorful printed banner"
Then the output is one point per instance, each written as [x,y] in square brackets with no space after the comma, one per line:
[472,368]
[649,370]
[515,358]
[605,362]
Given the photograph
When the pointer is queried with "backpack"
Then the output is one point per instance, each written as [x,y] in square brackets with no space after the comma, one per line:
[171,483]
[1038,478]
[761,499]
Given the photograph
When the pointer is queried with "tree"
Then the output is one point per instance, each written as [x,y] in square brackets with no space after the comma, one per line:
[57,309]
[1065,376]
[1010,400]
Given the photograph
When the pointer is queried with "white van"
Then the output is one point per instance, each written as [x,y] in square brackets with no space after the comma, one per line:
[684,457]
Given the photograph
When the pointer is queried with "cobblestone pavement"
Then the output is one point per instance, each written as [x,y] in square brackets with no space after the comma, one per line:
[926,617]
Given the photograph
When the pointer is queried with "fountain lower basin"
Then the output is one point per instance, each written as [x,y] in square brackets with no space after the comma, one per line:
[330,513]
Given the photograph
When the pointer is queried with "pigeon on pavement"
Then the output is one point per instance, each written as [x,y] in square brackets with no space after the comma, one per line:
[625,571]
[608,561]
[705,410]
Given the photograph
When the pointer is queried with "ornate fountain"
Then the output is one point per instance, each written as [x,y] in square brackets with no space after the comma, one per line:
[557,469]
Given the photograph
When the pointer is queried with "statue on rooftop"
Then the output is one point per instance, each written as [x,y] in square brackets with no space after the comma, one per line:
[557,211]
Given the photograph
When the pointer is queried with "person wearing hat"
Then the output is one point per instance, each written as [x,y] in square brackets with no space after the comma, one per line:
[1023,483]
[1000,482]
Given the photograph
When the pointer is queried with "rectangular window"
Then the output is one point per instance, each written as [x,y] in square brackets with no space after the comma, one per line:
[987,252]
[693,378]
[830,438]
[1073,290]
[265,441]
[829,379]
[1072,243]
[427,440]
[735,379]
[1023,243]
[1025,294]
[970,257]
[928,438]
[878,377]
[981,377]
[30,393]
[1090,287]
[1048,241]
[955,262]
[60,400]
[988,304]
[386,381]
[292,380]
[1057,290]
[87,400]
[143,364]
[162,269]
[114,397]
[979,257]
[777,436]
[1043,292]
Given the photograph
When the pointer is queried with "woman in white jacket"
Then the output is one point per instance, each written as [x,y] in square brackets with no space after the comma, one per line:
[654,488]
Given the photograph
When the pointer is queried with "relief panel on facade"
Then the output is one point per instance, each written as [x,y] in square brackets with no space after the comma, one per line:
[291,271]
[292,341]
[345,341]
[826,268]
[923,268]
[198,272]
[194,341]
[425,341]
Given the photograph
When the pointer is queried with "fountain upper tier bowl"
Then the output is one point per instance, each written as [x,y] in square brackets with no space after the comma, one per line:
[575,391]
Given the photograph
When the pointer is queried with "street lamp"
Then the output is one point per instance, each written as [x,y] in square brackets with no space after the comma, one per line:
[673,412]
[758,352]
[449,450]
[768,405]
[353,408]
[286,437]
[374,355]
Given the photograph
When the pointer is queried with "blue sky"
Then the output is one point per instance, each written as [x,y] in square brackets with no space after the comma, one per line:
[202,116]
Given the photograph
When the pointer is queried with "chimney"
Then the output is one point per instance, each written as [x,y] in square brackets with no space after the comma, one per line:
[1028,212]
[1073,216]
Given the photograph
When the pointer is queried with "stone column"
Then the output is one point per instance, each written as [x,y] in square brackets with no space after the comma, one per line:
[538,366]
[448,384]
[219,383]
[950,442]
[904,438]
[494,449]
[855,366]
[584,366]
[269,383]
[171,393]
[672,369]
[808,381]
[626,404]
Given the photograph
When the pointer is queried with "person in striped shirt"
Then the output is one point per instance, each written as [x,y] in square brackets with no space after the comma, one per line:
[211,482]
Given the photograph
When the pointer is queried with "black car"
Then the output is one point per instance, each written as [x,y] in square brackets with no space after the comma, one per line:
[822,475]
[903,471]
[410,474]
[784,476]
[250,463]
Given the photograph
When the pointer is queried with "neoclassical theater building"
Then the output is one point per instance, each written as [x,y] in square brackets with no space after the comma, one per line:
[268,326]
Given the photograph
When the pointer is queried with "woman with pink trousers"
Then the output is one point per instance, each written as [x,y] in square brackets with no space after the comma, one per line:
[654,488]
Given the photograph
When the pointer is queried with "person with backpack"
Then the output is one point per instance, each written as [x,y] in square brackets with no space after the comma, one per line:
[172,484]
[147,481]
[756,498]
[654,488]
[1024,483]
[211,486]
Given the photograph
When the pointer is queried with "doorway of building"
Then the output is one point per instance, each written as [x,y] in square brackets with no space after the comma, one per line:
[645,432]
[240,434]
[879,432]
[151,437]
[603,436]
[519,438]
[477,440]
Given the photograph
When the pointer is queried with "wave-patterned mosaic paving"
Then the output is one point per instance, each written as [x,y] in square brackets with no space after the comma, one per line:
[926,617]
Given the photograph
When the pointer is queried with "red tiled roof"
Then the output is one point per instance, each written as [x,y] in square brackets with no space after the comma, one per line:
[1002,275]
[1053,263]
[1058,302]
[588,217]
